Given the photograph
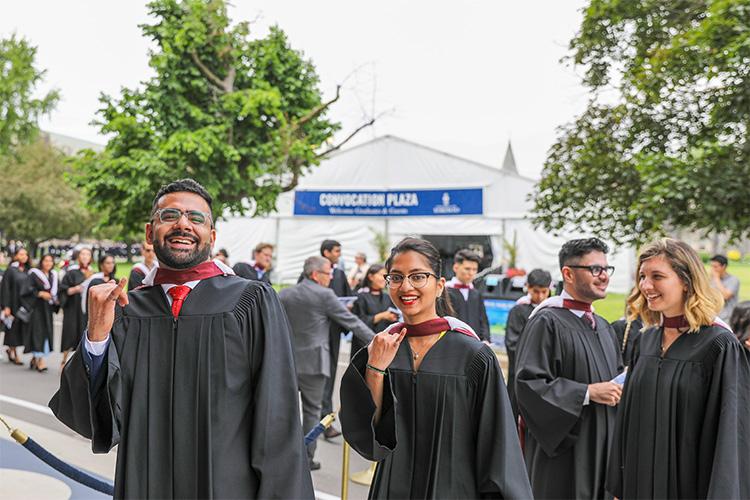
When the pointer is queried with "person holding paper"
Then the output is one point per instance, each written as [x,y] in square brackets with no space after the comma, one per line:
[567,358]
[681,429]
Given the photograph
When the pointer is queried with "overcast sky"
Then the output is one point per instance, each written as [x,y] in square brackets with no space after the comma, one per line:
[460,76]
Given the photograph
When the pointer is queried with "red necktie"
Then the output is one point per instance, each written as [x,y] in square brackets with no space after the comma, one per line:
[581,306]
[178,294]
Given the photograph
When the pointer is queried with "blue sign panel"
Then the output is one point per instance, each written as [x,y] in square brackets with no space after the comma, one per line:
[497,314]
[433,202]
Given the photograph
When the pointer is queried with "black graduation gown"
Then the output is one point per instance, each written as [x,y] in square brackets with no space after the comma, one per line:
[204,406]
[247,271]
[471,311]
[445,431]
[567,443]
[40,324]
[517,319]
[683,428]
[13,285]
[74,321]
[365,308]
[626,348]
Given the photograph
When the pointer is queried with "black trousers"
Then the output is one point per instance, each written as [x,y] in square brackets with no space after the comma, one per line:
[334,342]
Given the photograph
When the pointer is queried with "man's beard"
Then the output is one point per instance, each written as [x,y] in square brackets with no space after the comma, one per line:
[181,260]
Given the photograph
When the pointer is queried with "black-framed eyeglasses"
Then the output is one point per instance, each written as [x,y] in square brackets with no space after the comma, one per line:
[597,270]
[417,280]
[172,215]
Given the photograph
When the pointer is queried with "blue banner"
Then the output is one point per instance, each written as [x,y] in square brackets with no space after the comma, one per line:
[497,314]
[430,202]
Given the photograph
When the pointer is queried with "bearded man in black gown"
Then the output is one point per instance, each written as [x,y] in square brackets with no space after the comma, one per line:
[191,374]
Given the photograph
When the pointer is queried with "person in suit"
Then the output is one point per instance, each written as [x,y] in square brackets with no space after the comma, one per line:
[258,269]
[466,301]
[313,309]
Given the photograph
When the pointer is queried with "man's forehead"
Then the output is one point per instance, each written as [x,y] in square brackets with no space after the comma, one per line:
[595,257]
[183,199]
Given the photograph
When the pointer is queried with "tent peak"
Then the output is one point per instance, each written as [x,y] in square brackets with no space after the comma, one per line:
[509,162]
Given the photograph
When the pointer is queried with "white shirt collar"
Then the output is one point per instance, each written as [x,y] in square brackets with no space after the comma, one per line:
[149,279]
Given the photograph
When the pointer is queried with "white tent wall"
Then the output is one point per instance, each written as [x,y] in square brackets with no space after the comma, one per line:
[390,163]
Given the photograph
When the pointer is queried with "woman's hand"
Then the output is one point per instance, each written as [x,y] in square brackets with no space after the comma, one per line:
[383,348]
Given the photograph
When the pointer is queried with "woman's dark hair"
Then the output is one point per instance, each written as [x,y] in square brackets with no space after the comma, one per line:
[29,264]
[740,321]
[373,269]
[429,252]
[101,260]
[572,251]
[44,256]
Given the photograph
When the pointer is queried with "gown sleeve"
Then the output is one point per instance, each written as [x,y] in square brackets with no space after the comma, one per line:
[484,322]
[551,405]
[500,470]
[277,452]
[373,441]
[135,279]
[729,400]
[93,408]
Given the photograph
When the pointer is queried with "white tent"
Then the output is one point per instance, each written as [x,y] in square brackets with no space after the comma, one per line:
[388,165]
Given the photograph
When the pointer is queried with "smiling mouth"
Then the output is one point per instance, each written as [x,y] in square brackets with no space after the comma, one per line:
[181,242]
[408,300]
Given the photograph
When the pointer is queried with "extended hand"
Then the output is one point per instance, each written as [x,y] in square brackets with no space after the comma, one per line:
[606,393]
[383,348]
[101,307]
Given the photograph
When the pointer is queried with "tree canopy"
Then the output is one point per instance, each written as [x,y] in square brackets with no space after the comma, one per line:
[36,204]
[20,110]
[243,116]
[663,143]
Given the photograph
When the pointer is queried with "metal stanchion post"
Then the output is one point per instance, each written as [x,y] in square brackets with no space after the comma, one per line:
[345,472]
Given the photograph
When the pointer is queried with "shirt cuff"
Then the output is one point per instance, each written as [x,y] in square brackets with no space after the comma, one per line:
[95,348]
[586,398]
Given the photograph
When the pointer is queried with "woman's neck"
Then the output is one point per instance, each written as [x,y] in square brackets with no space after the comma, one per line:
[420,317]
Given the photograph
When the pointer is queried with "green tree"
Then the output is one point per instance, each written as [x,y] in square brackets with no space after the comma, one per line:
[244,117]
[664,142]
[37,203]
[19,109]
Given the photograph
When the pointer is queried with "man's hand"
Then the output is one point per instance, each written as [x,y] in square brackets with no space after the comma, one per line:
[75,289]
[606,393]
[101,307]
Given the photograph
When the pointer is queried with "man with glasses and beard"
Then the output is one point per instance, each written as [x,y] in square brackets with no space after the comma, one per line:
[567,359]
[192,374]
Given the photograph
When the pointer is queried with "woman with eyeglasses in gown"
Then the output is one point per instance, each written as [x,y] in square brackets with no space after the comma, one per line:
[426,398]
[682,427]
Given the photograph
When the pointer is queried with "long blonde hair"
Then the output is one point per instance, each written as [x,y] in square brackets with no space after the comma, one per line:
[702,301]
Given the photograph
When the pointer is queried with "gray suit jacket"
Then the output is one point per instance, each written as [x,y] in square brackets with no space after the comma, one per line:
[311,308]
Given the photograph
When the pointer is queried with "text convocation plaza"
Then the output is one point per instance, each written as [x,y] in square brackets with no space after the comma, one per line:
[368,203]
